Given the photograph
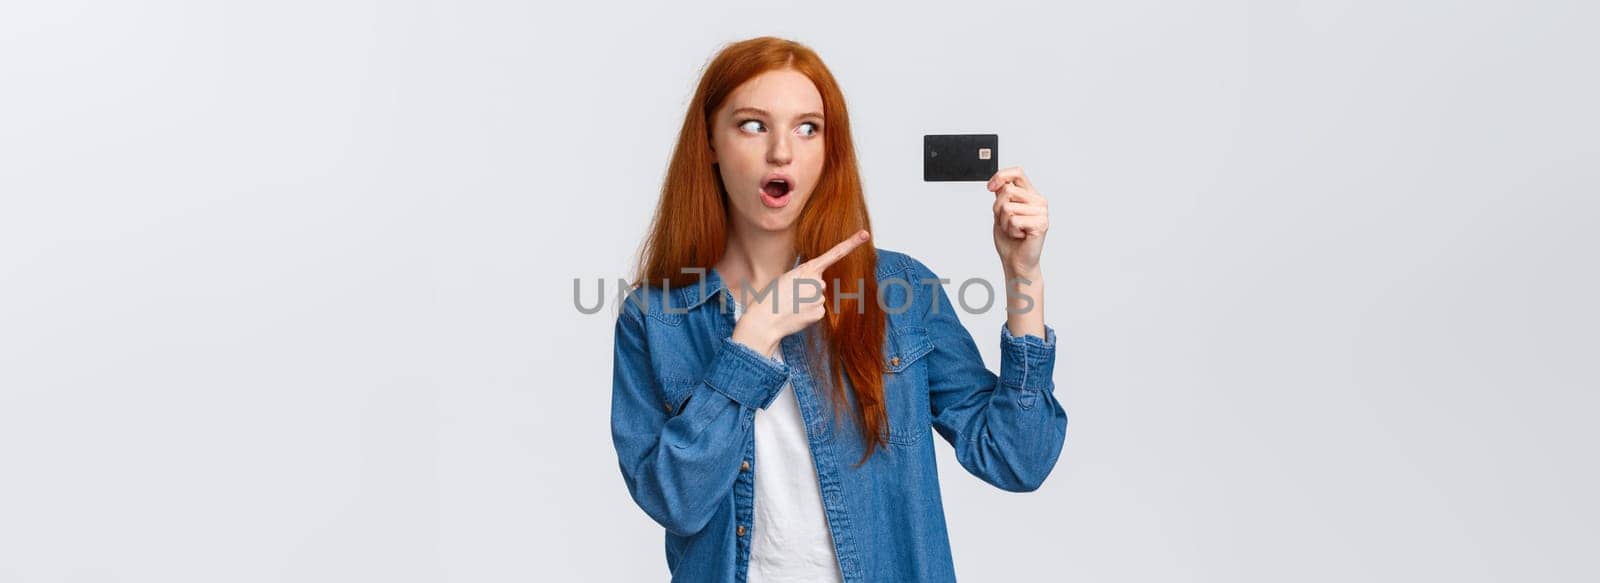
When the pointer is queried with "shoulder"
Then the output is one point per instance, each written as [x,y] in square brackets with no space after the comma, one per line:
[642,302]
[907,288]
[893,263]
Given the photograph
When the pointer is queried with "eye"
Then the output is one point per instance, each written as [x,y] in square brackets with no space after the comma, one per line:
[745,125]
[814,128]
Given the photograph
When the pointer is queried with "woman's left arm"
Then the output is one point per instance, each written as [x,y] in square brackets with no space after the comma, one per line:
[1007,429]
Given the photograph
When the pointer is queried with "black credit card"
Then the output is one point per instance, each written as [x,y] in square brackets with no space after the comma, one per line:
[960,157]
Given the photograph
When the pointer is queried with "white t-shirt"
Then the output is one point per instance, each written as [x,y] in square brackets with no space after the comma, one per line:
[790,540]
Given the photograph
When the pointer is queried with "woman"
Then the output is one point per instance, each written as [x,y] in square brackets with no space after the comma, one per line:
[776,379]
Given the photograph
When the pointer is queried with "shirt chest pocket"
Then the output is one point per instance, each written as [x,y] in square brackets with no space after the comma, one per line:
[676,395]
[905,385]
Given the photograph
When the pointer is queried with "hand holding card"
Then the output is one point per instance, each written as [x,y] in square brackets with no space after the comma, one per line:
[1021,219]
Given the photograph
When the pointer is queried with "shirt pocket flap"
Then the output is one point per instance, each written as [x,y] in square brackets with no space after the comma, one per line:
[904,347]
[675,394]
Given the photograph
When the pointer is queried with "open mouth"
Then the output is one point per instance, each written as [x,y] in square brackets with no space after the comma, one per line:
[776,188]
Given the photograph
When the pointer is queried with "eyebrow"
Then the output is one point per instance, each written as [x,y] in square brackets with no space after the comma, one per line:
[763,112]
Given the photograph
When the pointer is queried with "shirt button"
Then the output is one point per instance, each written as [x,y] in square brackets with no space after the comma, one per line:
[669,406]
[744,466]
[741,530]
[894,361]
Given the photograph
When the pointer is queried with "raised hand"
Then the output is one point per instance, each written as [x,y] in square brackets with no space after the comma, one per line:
[783,312]
[1021,219]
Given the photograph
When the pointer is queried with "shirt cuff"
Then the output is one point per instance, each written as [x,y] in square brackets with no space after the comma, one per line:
[745,376]
[1028,363]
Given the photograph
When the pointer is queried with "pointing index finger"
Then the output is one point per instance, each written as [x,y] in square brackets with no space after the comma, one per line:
[838,251]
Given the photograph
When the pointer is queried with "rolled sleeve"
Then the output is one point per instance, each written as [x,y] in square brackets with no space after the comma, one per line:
[742,374]
[1028,363]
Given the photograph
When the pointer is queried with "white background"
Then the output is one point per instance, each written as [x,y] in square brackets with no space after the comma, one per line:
[286,287]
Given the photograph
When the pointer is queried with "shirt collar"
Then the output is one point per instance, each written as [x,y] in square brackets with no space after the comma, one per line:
[703,289]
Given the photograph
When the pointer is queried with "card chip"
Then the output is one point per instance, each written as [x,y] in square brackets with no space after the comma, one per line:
[983,153]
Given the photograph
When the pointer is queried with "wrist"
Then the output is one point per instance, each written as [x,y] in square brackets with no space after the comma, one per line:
[1032,274]
[757,341]
[1025,301]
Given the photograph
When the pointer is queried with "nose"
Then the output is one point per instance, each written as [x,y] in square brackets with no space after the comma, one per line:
[778,149]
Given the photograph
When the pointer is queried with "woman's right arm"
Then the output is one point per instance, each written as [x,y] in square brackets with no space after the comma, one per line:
[680,461]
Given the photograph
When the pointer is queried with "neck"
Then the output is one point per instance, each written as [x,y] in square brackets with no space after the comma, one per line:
[752,261]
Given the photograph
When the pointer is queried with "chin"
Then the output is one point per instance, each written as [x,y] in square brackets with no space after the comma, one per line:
[773,226]
[776,221]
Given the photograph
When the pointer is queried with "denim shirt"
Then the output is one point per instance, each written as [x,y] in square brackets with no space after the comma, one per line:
[685,396]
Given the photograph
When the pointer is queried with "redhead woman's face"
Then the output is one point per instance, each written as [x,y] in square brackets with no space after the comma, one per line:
[767,142]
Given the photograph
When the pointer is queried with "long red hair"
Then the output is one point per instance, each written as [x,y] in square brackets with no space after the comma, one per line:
[690,227]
